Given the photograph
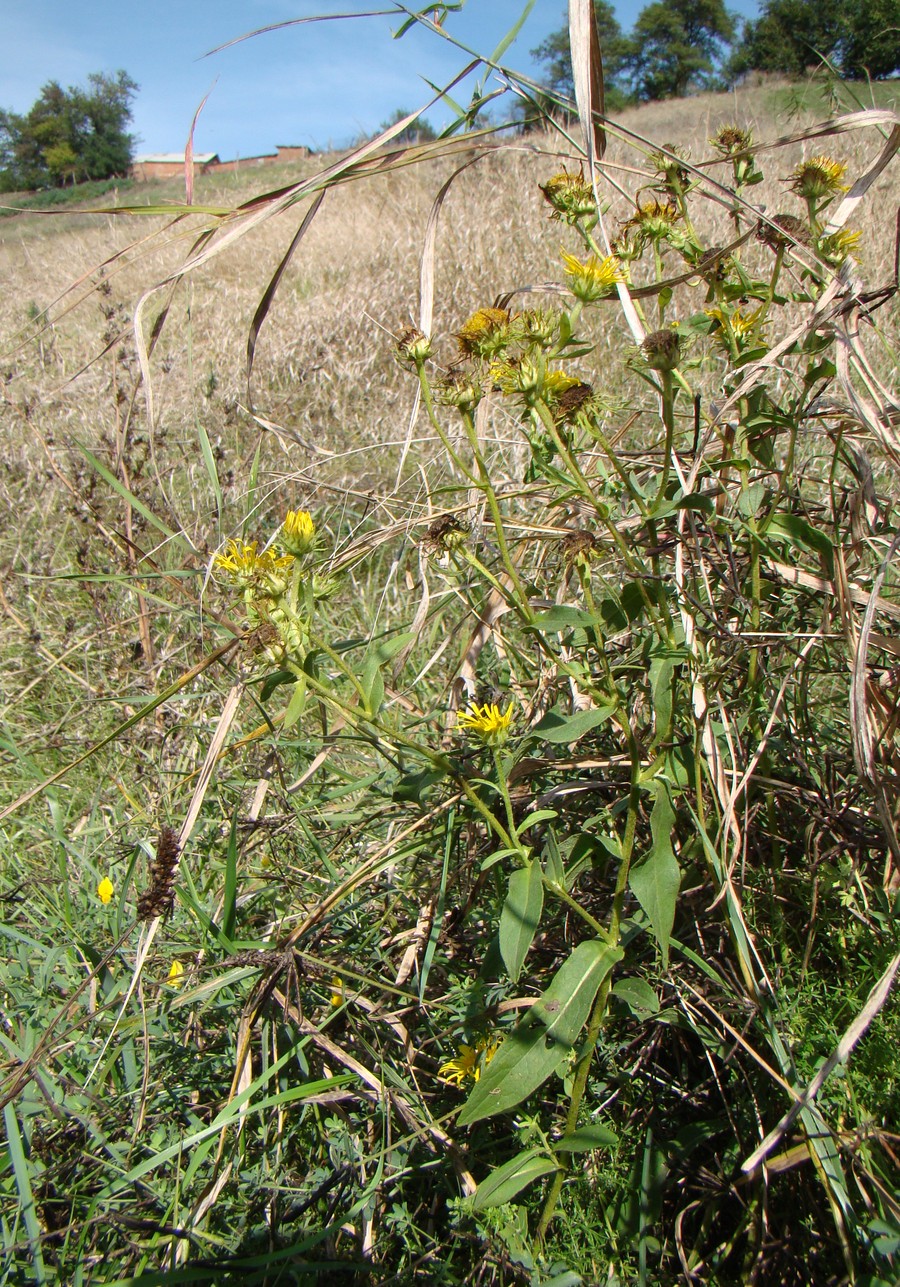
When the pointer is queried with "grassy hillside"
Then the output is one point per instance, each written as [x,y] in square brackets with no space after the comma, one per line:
[450,780]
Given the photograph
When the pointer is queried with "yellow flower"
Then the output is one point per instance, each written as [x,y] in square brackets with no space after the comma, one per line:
[556,383]
[818,178]
[571,197]
[337,991]
[743,326]
[653,220]
[243,565]
[485,333]
[298,532]
[105,890]
[835,248]
[487,722]
[175,977]
[470,1061]
[593,279]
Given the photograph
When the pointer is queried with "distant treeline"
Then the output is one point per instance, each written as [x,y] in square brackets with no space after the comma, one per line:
[68,135]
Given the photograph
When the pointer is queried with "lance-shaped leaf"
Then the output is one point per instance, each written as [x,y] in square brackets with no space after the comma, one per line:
[655,881]
[520,916]
[543,1039]
[503,1184]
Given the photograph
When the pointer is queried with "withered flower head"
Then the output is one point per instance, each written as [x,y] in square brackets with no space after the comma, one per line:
[485,333]
[578,547]
[654,219]
[662,349]
[781,230]
[446,533]
[731,139]
[413,346]
[570,195]
[573,399]
[713,264]
[459,389]
[675,177]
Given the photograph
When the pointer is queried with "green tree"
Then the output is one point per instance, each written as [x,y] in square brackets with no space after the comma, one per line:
[860,37]
[66,135]
[676,46]
[555,54]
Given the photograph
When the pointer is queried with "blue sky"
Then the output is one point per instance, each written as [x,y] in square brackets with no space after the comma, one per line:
[315,84]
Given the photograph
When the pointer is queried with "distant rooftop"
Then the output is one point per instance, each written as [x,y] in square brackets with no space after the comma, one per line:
[173,158]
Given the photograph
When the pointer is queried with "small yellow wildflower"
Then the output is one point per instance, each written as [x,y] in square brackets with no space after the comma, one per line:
[298,532]
[653,220]
[571,197]
[818,178]
[105,890]
[594,279]
[337,991]
[838,246]
[469,1063]
[487,722]
[743,326]
[485,333]
[175,977]
[243,565]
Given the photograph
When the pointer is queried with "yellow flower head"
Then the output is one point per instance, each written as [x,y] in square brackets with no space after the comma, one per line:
[105,890]
[818,178]
[175,977]
[469,1063]
[298,532]
[571,197]
[835,248]
[242,564]
[653,220]
[337,991]
[743,326]
[593,279]
[487,722]
[485,333]
[556,383]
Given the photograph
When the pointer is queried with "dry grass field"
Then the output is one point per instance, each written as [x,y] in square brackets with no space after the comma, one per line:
[360,802]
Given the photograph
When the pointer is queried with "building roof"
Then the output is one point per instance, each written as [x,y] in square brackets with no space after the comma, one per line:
[175,158]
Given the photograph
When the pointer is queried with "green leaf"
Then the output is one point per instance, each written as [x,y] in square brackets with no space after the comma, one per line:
[585,1139]
[16,1153]
[543,1039]
[296,704]
[556,728]
[564,618]
[372,684]
[638,995]
[655,881]
[503,1184]
[521,916]
[800,533]
[540,815]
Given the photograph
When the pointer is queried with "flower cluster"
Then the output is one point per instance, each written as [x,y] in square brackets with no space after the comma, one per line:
[279,586]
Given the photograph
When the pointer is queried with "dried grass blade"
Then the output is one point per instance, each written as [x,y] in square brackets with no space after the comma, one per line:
[587,71]
[262,308]
[189,153]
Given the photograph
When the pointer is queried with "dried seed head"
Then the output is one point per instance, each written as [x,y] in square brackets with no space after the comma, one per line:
[413,347]
[782,230]
[731,139]
[662,349]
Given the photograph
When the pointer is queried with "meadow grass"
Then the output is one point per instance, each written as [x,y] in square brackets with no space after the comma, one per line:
[486,737]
